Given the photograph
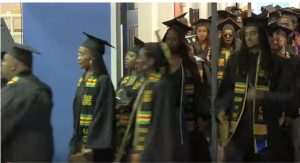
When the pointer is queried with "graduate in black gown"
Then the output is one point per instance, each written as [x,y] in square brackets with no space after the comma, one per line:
[93,105]
[251,97]
[26,103]
[201,51]
[202,43]
[280,35]
[175,134]
[126,93]
[228,44]
[296,121]
[153,64]
[6,43]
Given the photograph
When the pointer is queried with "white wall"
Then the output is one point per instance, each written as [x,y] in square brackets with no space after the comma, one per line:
[150,18]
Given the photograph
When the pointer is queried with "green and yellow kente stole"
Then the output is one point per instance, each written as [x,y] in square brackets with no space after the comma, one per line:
[143,117]
[222,62]
[14,80]
[86,115]
[240,92]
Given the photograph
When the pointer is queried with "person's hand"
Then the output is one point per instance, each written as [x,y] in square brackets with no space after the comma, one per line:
[282,119]
[254,93]
[86,150]
[222,117]
[251,93]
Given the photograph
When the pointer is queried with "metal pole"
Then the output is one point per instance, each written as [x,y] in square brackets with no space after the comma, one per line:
[215,56]
[119,42]
[249,9]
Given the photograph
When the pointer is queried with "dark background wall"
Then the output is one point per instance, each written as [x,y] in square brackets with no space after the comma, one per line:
[55,29]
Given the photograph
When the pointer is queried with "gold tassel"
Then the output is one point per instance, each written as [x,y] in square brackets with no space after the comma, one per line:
[223,133]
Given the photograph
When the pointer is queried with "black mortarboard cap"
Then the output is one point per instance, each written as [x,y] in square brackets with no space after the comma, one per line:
[234,10]
[138,42]
[297,10]
[277,7]
[95,44]
[223,14]
[255,21]
[205,22]
[275,26]
[137,45]
[288,11]
[175,23]
[276,14]
[23,53]
[268,9]
[6,39]
[230,22]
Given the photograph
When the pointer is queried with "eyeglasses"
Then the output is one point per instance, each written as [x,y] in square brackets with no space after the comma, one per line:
[227,35]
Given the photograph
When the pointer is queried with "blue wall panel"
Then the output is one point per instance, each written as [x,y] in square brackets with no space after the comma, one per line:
[55,29]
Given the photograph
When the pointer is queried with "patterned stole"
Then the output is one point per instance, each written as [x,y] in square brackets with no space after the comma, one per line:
[222,62]
[86,109]
[189,101]
[143,117]
[14,80]
[240,93]
[124,105]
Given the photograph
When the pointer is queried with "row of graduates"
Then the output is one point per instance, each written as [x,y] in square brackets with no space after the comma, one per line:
[258,95]
[280,38]
[161,109]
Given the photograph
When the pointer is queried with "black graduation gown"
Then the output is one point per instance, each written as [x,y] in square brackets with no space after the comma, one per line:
[293,68]
[125,94]
[26,132]
[169,139]
[203,53]
[240,147]
[101,125]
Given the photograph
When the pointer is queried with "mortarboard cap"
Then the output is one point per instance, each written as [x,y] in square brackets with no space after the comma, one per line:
[6,39]
[230,23]
[138,44]
[282,29]
[223,14]
[205,22]
[277,7]
[181,16]
[297,10]
[255,21]
[276,14]
[268,9]
[288,11]
[179,26]
[23,53]
[95,44]
[234,10]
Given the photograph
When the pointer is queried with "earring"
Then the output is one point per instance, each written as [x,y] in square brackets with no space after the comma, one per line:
[91,63]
